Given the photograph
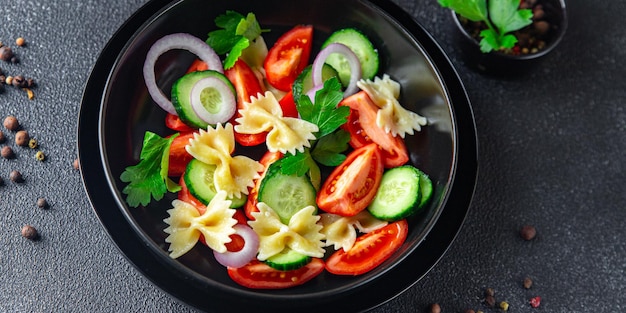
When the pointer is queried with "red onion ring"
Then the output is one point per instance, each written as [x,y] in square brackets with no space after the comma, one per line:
[353,61]
[246,254]
[176,41]
[229,102]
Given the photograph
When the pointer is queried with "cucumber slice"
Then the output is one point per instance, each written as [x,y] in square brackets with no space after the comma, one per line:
[426,189]
[199,180]
[398,195]
[212,100]
[361,46]
[285,194]
[304,81]
[288,260]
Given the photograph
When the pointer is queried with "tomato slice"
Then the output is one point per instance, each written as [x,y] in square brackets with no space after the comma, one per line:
[246,85]
[289,56]
[288,105]
[363,130]
[267,159]
[352,185]
[174,122]
[185,195]
[369,250]
[179,157]
[258,275]
[197,65]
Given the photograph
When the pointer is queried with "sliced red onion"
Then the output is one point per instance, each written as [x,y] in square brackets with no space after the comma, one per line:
[311,93]
[170,42]
[353,61]
[246,254]
[228,105]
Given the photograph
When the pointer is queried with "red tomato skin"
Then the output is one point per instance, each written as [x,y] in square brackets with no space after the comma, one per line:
[363,130]
[179,157]
[369,250]
[197,65]
[250,206]
[174,122]
[258,275]
[351,186]
[246,85]
[288,57]
[288,105]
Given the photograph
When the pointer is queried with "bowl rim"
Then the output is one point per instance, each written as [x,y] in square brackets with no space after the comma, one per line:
[143,258]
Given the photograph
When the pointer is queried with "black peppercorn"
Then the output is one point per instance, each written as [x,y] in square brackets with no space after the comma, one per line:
[2,137]
[29,232]
[528,232]
[527,283]
[19,81]
[11,123]
[490,301]
[435,308]
[16,177]
[7,152]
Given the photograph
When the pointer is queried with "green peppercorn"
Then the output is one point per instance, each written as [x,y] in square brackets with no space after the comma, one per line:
[32,143]
[40,156]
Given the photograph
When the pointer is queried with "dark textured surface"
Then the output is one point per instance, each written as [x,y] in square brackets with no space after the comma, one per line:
[551,154]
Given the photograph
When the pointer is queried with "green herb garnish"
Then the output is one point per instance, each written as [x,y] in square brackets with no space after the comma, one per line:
[236,34]
[331,141]
[148,179]
[501,17]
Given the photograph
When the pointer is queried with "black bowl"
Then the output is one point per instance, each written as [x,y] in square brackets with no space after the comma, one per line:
[117,110]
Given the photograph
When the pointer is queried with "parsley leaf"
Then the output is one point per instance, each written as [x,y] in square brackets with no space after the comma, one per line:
[148,179]
[324,113]
[501,17]
[235,36]
[328,150]
[298,164]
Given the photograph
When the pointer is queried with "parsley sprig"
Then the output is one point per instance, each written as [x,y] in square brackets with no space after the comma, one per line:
[148,179]
[330,141]
[501,17]
[237,33]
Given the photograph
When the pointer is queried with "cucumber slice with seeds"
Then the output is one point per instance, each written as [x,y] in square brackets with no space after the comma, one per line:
[361,46]
[398,195]
[199,180]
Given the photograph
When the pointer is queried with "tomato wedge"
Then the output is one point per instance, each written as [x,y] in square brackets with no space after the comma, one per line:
[179,157]
[289,56]
[267,159]
[369,250]
[352,185]
[363,130]
[246,85]
[197,65]
[288,105]
[258,275]
[174,122]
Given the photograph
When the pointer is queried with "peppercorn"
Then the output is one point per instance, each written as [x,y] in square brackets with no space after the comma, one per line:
[2,137]
[42,203]
[21,138]
[16,177]
[11,123]
[30,93]
[535,302]
[76,164]
[32,143]
[490,292]
[6,53]
[7,152]
[528,232]
[435,308]
[3,79]
[40,156]
[470,311]
[490,301]
[19,81]
[504,305]
[527,283]
[30,232]
[20,41]
[8,80]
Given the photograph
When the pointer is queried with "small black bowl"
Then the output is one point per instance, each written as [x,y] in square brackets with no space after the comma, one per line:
[505,64]
[117,110]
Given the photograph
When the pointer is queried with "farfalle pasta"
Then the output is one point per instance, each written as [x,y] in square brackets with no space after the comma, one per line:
[234,175]
[391,116]
[301,235]
[341,231]
[186,224]
[285,134]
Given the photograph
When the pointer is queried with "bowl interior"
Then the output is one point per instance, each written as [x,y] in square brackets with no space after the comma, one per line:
[127,112]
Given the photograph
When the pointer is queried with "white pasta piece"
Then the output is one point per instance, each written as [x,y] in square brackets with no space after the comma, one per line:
[340,231]
[391,116]
[301,235]
[186,224]
[285,134]
[232,174]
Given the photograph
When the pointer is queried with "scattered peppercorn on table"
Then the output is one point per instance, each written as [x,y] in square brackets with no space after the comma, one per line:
[545,230]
